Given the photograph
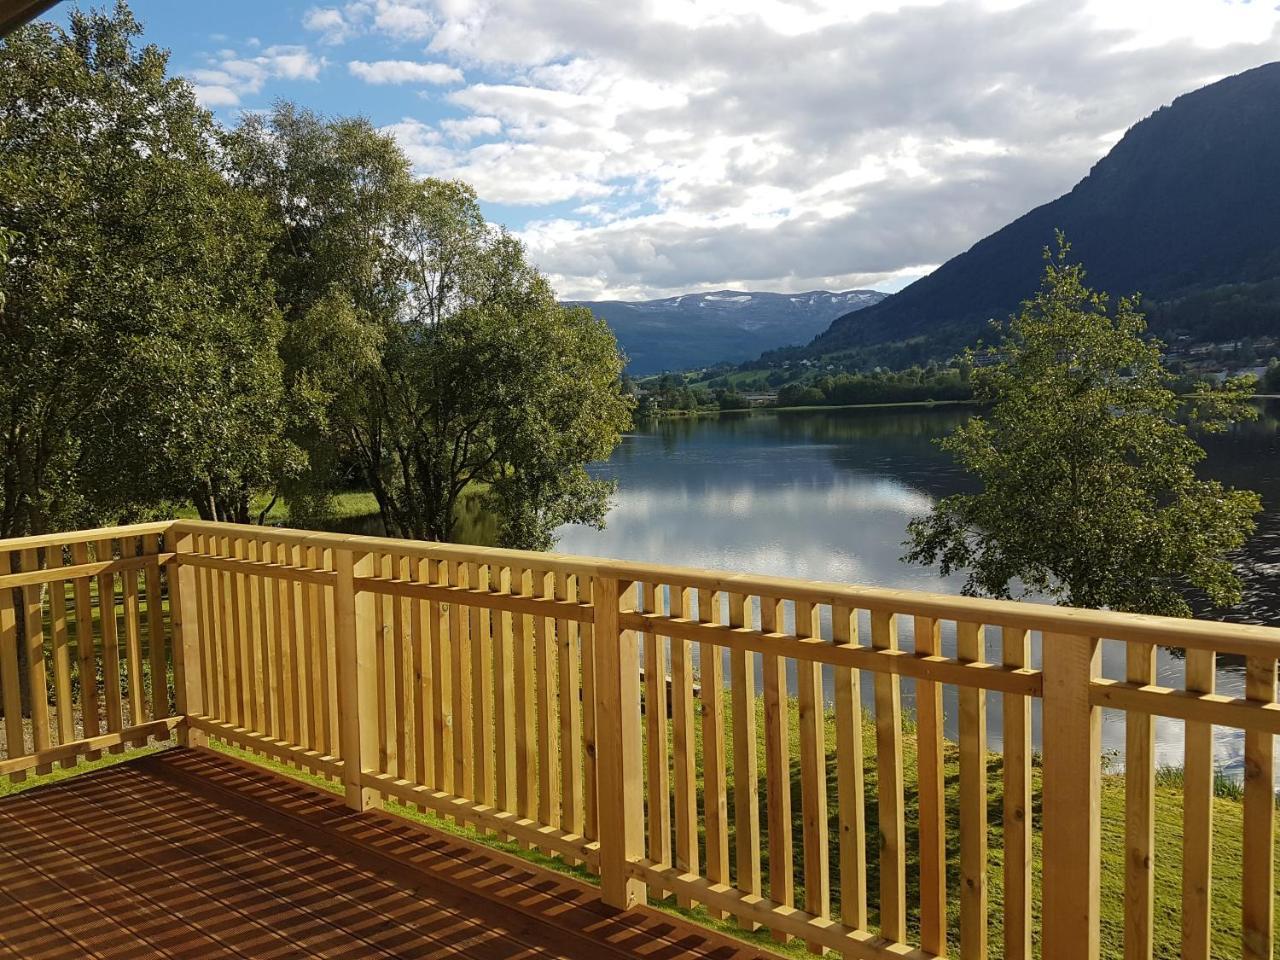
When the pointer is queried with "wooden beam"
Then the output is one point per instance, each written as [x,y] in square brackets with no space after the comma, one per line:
[17,13]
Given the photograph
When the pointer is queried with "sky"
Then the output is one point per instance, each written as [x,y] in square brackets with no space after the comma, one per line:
[645,148]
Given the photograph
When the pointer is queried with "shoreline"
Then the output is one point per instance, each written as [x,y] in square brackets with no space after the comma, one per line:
[811,408]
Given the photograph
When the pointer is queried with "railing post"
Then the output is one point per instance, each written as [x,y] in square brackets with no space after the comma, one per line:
[618,752]
[355,631]
[184,610]
[1071,799]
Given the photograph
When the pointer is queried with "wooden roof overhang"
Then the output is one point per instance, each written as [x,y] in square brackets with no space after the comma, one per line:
[15,13]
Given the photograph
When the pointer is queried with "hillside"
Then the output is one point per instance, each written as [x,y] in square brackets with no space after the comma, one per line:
[1184,209]
[699,329]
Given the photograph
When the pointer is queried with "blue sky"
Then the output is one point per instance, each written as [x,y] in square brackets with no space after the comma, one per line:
[650,147]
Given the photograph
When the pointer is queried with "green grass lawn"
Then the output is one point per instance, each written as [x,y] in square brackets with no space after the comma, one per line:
[346,505]
[475,524]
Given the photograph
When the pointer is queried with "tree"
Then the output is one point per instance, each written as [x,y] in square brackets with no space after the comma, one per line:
[338,195]
[1271,379]
[138,334]
[437,358]
[1089,493]
[482,381]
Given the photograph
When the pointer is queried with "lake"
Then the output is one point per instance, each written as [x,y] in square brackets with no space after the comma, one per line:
[827,495]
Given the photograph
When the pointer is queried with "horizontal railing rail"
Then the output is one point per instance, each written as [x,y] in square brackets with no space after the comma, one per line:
[731,741]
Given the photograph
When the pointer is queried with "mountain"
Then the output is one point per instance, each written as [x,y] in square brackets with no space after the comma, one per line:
[700,329]
[1184,209]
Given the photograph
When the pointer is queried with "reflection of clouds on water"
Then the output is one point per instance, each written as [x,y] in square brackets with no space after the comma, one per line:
[844,528]
[827,496]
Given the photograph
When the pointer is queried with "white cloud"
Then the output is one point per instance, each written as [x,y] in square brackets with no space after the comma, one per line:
[231,77]
[291,62]
[404,20]
[212,95]
[471,127]
[404,71]
[422,144]
[330,23]
[785,144]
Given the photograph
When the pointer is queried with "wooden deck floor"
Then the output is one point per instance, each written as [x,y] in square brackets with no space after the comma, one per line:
[191,854]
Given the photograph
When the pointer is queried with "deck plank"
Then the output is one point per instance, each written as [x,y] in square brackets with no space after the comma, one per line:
[188,852]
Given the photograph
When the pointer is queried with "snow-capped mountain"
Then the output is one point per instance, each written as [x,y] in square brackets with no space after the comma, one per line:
[699,329]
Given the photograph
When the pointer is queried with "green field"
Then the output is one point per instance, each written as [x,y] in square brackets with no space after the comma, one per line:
[346,505]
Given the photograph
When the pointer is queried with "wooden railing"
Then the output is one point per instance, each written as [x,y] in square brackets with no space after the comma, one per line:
[651,721]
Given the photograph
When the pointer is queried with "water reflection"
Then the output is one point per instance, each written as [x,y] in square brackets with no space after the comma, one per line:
[827,495]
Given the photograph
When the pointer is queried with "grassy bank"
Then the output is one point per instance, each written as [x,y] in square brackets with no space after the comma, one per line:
[356,511]
[809,408]
[347,505]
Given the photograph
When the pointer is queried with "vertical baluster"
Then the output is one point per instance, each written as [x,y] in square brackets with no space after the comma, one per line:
[482,689]
[1197,817]
[301,656]
[932,793]
[567,645]
[504,701]
[285,655]
[658,812]
[86,656]
[156,642]
[590,767]
[406,654]
[548,748]
[257,551]
[243,636]
[267,593]
[777,748]
[109,627]
[329,625]
[10,686]
[970,648]
[384,671]
[746,798]
[312,594]
[849,770]
[132,630]
[525,706]
[1017,804]
[1139,821]
[223,649]
[442,680]
[65,717]
[813,773]
[888,693]
[255,639]
[277,597]
[463,746]
[424,742]
[1258,868]
[714,788]
[204,614]
[231,639]
[683,743]
[397,653]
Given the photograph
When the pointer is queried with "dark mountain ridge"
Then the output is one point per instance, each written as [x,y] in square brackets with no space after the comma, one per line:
[1188,201]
